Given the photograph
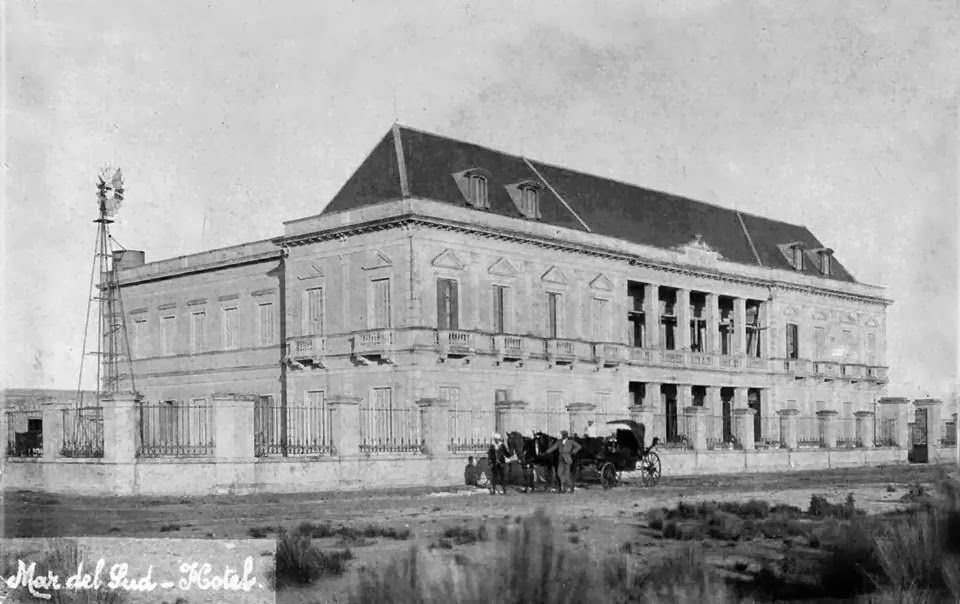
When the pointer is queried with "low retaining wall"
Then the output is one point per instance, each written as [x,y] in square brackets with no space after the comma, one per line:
[294,475]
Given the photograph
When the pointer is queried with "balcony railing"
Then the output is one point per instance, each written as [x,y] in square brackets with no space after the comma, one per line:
[702,359]
[640,356]
[755,363]
[455,343]
[877,373]
[727,361]
[671,357]
[306,348]
[608,355]
[853,372]
[561,351]
[509,348]
[376,342]
[796,366]
[826,369]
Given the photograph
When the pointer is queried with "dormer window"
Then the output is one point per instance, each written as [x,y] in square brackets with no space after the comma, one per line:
[798,257]
[526,196]
[794,254]
[478,190]
[826,261]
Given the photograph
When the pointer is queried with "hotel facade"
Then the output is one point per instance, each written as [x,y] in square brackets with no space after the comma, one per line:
[512,288]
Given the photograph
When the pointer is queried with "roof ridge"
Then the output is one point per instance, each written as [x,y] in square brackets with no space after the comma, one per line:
[401,162]
[593,175]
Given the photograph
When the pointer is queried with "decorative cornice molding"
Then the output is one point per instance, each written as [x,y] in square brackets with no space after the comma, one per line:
[196,302]
[264,292]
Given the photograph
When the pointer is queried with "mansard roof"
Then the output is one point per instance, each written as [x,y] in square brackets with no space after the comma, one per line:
[413,163]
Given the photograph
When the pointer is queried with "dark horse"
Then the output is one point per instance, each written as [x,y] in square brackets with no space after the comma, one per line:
[535,467]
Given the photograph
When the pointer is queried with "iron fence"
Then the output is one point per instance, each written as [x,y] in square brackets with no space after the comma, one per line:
[677,431]
[768,436]
[308,429]
[25,433]
[470,429]
[885,434]
[808,432]
[846,433]
[949,437]
[82,432]
[719,432]
[175,428]
[390,430]
[548,422]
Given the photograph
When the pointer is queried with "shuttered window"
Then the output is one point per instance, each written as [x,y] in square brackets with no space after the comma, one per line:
[230,328]
[380,293]
[314,312]
[793,347]
[447,311]
[499,309]
[265,323]
[198,331]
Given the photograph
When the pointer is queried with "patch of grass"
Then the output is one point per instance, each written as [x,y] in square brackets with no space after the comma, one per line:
[351,534]
[298,561]
[821,508]
[461,535]
[259,532]
[166,528]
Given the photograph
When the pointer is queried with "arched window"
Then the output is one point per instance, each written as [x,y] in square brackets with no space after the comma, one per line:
[478,190]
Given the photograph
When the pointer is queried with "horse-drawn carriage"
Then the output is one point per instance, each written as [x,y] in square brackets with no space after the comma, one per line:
[603,458]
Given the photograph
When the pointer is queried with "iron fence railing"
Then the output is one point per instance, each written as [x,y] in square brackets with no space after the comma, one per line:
[677,431]
[178,429]
[25,433]
[471,429]
[949,435]
[390,430]
[808,432]
[885,434]
[548,422]
[768,435]
[846,433]
[308,429]
[82,432]
[720,431]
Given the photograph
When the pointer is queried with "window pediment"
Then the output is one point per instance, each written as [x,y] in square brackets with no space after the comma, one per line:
[554,275]
[503,268]
[378,260]
[447,259]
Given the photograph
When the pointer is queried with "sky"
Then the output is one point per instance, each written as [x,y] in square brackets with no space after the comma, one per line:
[229,118]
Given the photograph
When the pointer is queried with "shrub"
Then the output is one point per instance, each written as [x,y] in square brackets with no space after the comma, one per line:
[754,508]
[656,517]
[259,532]
[166,528]
[822,508]
[299,561]
[852,566]
[461,535]
[725,526]
[683,530]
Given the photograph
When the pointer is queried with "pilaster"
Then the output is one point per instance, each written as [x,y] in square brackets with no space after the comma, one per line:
[696,424]
[788,427]
[345,424]
[233,435]
[683,319]
[828,427]
[120,427]
[651,312]
[580,413]
[866,429]
[896,408]
[52,433]
[739,326]
[713,324]
[743,427]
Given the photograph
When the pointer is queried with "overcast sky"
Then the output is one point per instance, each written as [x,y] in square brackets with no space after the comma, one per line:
[231,117]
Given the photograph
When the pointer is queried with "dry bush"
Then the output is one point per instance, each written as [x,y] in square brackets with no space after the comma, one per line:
[298,561]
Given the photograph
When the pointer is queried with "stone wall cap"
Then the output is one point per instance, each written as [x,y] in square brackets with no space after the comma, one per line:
[581,407]
[783,412]
[744,411]
[927,402]
[827,413]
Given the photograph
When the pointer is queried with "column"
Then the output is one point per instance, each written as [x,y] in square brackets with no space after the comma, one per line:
[934,422]
[52,432]
[739,326]
[120,427]
[828,428]
[651,312]
[696,427]
[684,396]
[896,408]
[511,417]
[713,324]
[714,406]
[345,424]
[653,401]
[743,427]
[233,437]
[580,413]
[683,319]
[866,433]
[739,398]
[788,427]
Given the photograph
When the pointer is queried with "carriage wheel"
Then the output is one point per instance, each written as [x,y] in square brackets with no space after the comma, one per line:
[650,469]
[608,475]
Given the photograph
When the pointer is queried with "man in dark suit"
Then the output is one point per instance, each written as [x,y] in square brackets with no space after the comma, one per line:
[497,455]
[567,448]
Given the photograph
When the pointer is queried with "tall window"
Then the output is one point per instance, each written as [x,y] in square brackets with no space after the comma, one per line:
[668,318]
[600,321]
[447,311]
[553,315]
[530,201]
[725,329]
[168,335]
[793,343]
[478,191]
[820,341]
[499,309]
[230,327]
[871,348]
[380,293]
[602,401]
[849,345]
[314,312]
[798,257]
[198,331]
[698,321]
[635,314]
[753,328]
[140,338]
[556,417]
[265,323]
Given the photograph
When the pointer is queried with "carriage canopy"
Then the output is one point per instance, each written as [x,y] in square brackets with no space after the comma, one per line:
[626,428]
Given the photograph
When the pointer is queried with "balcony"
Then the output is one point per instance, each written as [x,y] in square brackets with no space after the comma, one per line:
[755,363]
[561,352]
[376,344]
[796,367]
[306,350]
[854,373]
[877,374]
[725,361]
[700,359]
[826,369]
[608,355]
[640,356]
[455,343]
[509,348]
[672,357]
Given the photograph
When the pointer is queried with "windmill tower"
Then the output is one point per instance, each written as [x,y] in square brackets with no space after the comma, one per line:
[114,367]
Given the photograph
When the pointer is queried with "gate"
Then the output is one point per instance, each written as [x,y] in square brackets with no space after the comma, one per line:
[920,452]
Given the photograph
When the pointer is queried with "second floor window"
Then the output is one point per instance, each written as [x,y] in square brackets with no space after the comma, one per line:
[553,315]
[793,343]
[635,313]
[600,320]
[168,335]
[313,312]
[198,331]
[265,323]
[380,304]
[447,311]
[230,328]
[140,338]
[753,328]
[820,342]
[499,309]
[871,348]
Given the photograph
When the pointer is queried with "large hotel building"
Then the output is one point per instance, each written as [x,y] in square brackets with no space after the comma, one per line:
[444,269]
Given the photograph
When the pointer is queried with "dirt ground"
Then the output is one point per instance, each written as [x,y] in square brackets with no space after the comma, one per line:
[600,521]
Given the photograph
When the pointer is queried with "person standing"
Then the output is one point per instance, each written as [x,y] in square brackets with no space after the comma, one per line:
[567,448]
[591,431]
[497,457]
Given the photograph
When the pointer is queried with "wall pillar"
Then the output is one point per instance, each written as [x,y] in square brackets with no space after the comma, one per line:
[643,414]
[714,405]
[934,422]
[739,326]
[345,424]
[697,427]
[827,420]
[120,427]
[740,399]
[682,307]
[684,396]
[713,324]
[866,429]
[743,427]
[52,433]
[435,426]
[511,416]
[233,435]
[653,401]
[651,312]
[580,413]
[788,427]
[896,408]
